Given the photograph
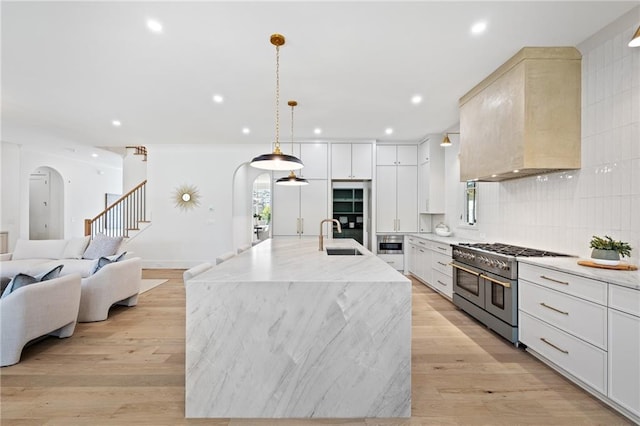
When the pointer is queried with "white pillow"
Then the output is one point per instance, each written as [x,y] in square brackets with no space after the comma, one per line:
[75,247]
[39,249]
[102,245]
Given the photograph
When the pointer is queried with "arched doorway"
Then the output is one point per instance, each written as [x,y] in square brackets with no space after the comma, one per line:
[46,204]
[261,207]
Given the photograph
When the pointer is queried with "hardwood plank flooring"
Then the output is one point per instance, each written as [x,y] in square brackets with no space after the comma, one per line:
[129,370]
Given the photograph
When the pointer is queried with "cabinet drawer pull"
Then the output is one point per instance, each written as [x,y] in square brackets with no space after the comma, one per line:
[441,248]
[465,269]
[554,346]
[502,283]
[553,309]
[554,280]
[443,264]
[441,283]
[421,242]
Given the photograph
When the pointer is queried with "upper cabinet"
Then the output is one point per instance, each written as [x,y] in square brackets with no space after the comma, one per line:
[397,155]
[524,118]
[431,177]
[351,161]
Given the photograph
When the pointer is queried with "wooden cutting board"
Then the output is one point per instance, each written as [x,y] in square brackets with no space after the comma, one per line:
[620,267]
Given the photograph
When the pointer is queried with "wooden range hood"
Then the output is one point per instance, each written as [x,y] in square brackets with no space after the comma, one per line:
[524,118]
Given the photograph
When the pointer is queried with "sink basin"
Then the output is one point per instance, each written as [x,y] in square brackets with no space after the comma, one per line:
[343,251]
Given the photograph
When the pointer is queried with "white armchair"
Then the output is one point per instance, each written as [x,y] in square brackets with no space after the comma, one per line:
[116,283]
[35,310]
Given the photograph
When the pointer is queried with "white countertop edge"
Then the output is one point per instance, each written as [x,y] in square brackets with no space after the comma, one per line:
[630,279]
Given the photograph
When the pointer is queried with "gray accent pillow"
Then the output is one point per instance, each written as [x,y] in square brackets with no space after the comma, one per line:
[102,246]
[104,261]
[22,280]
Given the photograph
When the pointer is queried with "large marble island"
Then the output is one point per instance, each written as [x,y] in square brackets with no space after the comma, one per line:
[284,330]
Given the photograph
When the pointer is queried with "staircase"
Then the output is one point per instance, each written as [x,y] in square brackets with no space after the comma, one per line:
[123,218]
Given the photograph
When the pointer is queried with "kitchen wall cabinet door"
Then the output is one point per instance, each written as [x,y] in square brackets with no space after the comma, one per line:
[299,210]
[395,155]
[397,199]
[407,203]
[351,161]
[386,199]
[431,178]
[315,159]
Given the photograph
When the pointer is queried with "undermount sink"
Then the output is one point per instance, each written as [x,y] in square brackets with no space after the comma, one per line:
[343,251]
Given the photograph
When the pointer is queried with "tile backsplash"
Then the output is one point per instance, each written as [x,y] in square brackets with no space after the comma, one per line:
[561,211]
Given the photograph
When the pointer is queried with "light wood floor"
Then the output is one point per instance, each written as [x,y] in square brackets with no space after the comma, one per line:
[129,370]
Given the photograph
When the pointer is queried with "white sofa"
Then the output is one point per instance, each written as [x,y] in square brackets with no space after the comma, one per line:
[115,283]
[39,309]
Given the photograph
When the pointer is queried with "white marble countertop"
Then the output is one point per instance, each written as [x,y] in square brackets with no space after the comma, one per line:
[298,259]
[437,238]
[570,265]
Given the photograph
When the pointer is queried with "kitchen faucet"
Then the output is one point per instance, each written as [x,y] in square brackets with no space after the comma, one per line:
[321,246]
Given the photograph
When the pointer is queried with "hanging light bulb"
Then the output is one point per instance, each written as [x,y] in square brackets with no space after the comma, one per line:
[292,179]
[277,160]
[635,40]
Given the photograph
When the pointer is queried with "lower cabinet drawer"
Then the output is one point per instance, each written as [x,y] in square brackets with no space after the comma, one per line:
[582,360]
[441,263]
[396,261]
[624,299]
[578,317]
[443,283]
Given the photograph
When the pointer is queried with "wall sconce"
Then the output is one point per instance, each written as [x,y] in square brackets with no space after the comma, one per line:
[446,142]
[635,40]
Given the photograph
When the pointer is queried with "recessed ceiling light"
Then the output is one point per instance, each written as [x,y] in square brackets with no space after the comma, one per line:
[246,130]
[116,123]
[317,131]
[94,155]
[416,99]
[388,130]
[494,175]
[218,99]
[154,25]
[479,27]
[516,171]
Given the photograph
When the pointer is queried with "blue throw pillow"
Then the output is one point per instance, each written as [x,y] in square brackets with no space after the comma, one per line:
[104,261]
[22,280]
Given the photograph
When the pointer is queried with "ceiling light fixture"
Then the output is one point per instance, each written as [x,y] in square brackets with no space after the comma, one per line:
[388,130]
[317,131]
[116,123]
[246,130]
[154,25]
[635,40]
[218,99]
[479,27]
[277,160]
[446,142]
[416,99]
[292,179]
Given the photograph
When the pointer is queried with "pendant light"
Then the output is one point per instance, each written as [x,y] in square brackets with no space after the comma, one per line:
[292,179]
[635,40]
[446,142]
[277,160]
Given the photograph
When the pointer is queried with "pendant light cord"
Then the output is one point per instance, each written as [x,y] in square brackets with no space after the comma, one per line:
[277,148]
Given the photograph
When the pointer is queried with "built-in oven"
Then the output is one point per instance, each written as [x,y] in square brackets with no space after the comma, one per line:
[390,244]
[501,297]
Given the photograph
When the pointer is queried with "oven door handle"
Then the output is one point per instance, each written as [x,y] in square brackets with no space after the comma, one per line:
[477,274]
[493,280]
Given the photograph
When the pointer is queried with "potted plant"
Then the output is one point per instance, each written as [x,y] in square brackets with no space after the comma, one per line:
[607,251]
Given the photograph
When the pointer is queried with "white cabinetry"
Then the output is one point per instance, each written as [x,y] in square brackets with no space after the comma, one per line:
[441,269]
[563,318]
[429,261]
[431,178]
[299,210]
[397,198]
[315,157]
[397,155]
[624,348]
[587,329]
[396,261]
[351,161]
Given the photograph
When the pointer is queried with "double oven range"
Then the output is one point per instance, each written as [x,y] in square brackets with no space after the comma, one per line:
[485,283]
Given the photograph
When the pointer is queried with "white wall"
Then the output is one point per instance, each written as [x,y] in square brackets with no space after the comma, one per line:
[178,238]
[561,211]
[85,183]
[134,170]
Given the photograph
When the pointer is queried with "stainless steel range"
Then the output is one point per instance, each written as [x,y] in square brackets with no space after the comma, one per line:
[485,283]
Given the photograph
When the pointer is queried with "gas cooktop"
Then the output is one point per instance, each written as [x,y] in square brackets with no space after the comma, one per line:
[509,250]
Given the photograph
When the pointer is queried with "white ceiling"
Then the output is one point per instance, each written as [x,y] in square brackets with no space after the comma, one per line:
[70,68]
